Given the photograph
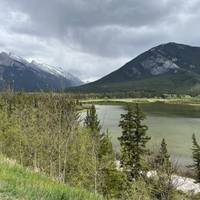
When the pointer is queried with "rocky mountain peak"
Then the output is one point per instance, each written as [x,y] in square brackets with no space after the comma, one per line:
[169,67]
[33,76]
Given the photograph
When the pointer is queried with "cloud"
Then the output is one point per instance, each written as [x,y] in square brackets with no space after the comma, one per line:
[93,38]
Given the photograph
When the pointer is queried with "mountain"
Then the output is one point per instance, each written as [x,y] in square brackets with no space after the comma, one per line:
[32,76]
[171,68]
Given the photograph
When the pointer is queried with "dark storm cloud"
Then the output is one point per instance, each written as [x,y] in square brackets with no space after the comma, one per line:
[95,34]
[96,26]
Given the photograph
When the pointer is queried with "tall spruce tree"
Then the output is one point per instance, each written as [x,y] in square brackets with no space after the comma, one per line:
[133,142]
[196,158]
[102,154]
[162,160]
[91,120]
[162,184]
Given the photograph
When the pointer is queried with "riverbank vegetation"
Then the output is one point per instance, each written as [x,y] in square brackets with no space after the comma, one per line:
[171,100]
[44,132]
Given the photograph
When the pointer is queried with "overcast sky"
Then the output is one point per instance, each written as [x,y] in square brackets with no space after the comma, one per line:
[91,38]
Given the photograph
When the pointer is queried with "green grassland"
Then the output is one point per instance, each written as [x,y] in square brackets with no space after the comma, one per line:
[17,182]
[183,100]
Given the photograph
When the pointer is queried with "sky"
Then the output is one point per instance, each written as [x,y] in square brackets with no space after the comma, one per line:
[91,38]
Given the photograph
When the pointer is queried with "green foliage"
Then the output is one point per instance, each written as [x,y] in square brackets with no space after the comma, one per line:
[133,142]
[91,120]
[162,160]
[195,196]
[42,131]
[136,190]
[162,186]
[105,172]
[17,182]
[105,148]
[113,183]
[110,178]
[196,158]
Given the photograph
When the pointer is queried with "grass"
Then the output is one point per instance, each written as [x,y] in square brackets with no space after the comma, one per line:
[17,182]
[183,101]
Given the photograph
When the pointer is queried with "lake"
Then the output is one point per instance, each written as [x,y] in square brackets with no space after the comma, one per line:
[175,123]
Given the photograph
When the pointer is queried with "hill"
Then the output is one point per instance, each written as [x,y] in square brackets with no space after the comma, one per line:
[20,74]
[170,68]
[17,182]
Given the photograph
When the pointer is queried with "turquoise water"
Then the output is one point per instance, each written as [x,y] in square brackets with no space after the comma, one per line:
[175,123]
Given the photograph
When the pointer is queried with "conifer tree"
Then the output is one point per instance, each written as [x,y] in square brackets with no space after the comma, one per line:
[163,185]
[91,120]
[162,160]
[105,148]
[105,172]
[111,179]
[133,142]
[196,158]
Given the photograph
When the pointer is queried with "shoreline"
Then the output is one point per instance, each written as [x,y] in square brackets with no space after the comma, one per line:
[188,102]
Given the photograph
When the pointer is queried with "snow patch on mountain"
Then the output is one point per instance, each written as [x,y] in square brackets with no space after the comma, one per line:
[57,71]
[17,58]
[9,59]
[50,69]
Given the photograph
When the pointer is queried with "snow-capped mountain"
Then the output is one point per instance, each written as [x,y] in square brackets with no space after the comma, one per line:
[32,76]
[56,71]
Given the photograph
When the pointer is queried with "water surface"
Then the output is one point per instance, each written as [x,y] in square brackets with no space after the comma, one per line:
[175,123]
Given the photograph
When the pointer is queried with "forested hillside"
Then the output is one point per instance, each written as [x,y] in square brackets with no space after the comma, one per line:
[45,133]
[167,68]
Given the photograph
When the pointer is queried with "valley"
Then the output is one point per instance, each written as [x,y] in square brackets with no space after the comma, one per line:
[99,100]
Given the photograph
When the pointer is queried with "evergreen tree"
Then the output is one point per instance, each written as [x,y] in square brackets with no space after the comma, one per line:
[162,184]
[162,160]
[111,179]
[196,158]
[91,120]
[106,176]
[133,142]
[105,148]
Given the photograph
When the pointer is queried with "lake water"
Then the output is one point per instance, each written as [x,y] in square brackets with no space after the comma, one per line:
[175,123]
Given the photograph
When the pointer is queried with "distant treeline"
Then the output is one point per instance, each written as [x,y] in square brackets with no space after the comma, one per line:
[133,94]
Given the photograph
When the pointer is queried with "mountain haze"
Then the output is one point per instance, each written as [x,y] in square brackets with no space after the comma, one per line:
[20,74]
[168,67]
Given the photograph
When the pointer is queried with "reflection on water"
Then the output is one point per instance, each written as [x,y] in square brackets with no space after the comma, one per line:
[175,123]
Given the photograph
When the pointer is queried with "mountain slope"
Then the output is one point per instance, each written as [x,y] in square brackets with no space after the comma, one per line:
[22,75]
[17,182]
[168,67]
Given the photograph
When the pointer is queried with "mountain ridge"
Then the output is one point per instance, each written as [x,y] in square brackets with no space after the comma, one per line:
[170,67]
[32,76]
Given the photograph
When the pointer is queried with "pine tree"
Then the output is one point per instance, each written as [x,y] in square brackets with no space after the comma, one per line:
[162,160]
[91,120]
[105,173]
[133,142]
[105,148]
[163,185]
[196,158]
[106,162]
